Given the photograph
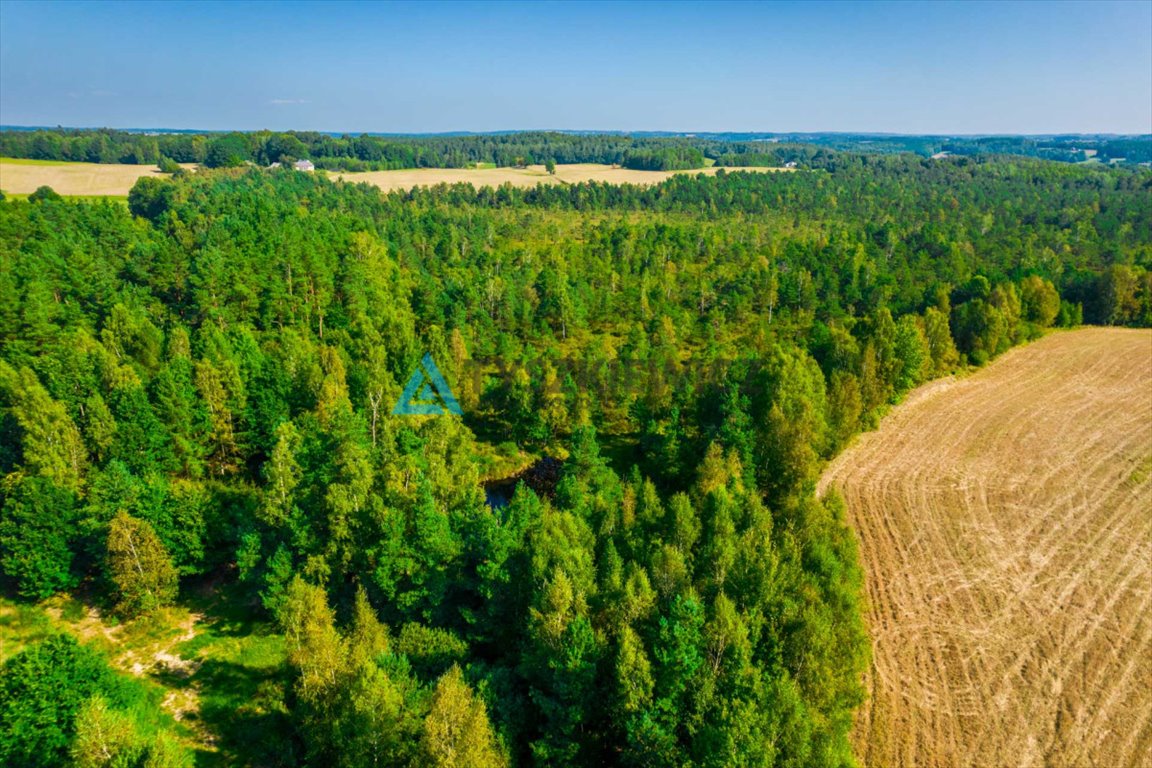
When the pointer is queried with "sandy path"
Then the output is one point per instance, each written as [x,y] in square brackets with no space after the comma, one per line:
[1005,527]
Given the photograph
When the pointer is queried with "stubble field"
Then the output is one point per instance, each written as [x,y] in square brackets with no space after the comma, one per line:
[1005,528]
[523,177]
[21,177]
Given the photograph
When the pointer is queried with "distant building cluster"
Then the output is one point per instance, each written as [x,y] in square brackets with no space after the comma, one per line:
[299,165]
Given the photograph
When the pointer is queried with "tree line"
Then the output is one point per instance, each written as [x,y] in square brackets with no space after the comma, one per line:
[359,153]
[367,152]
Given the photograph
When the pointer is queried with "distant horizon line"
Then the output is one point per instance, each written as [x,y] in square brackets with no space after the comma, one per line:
[583,132]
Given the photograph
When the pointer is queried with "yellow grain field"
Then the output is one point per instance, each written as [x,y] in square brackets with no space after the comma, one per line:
[521,177]
[22,177]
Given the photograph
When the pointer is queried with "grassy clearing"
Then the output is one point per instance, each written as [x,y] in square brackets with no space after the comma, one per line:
[218,675]
[237,681]
[21,626]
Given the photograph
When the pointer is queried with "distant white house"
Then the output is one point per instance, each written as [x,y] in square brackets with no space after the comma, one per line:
[790,164]
[299,165]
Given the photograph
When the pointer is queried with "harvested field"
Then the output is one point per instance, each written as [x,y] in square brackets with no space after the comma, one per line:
[522,177]
[21,177]
[1005,528]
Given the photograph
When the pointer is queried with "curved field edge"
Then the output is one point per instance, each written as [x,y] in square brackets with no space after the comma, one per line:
[1005,530]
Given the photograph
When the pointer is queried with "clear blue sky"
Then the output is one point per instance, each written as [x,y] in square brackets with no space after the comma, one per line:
[933,67]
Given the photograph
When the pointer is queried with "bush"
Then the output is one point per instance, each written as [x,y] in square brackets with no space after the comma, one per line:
[60,699]
[41,691]
[431,652]
[149,198]
[43,194]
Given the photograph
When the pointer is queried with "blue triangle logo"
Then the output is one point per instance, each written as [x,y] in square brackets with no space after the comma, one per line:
[426,393]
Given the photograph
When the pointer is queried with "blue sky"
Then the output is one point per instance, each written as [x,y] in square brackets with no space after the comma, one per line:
[933,67]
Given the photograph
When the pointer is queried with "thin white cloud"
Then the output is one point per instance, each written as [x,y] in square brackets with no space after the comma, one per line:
[284,102]
[99,93]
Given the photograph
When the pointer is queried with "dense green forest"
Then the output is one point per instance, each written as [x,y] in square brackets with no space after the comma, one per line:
[1070,148]
[643,151]
[196,394]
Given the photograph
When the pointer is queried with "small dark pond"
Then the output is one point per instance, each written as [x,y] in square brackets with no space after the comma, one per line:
[541,477]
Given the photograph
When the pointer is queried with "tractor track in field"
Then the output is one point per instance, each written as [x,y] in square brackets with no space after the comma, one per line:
[1005,530]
